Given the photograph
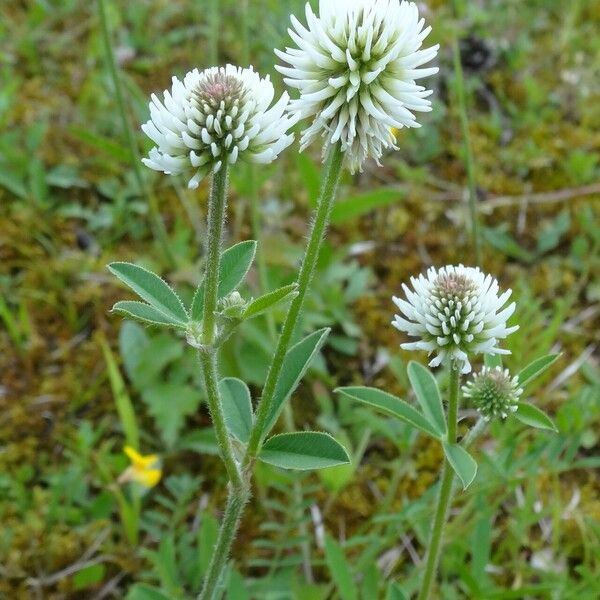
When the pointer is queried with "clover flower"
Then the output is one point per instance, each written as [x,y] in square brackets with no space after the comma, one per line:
[213,117]
[494,392]
[456,312]
[144,470]
[356,65]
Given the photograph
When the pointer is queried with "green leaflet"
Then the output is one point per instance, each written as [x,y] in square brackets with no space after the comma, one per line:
[462,462]
[235,263]
[534,417]
[536,368]
[339,567]
[237,407]
[139,311]
[391,405]
[295,364]
[303,451]
[151,288]
[263,303]
[428,395]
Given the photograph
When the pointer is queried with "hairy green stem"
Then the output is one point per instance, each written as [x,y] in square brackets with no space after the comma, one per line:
[468,150]
[208,361]
[331,179]
[208,358]
[157,224]
[236,500]
[240,491]
[216,219]
[445,493]
[474,433]
[238,487]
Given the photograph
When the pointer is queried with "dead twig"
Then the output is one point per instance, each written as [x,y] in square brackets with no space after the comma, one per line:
[45,581]
[541,197]
[570,370]
[85,561]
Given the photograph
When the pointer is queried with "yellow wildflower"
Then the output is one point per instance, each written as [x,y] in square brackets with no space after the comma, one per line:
[145,470]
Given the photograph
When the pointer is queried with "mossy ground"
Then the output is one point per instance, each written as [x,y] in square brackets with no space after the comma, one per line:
[69,205]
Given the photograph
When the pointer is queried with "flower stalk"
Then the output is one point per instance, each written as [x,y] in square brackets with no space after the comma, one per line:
[356,69]
[207,354]
[236,501]
[239,492]
[239,489]
[216,220]
[331,179]
[445,493]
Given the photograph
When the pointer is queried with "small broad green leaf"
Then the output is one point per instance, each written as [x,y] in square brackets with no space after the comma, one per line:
[428,395]
[493,360]
[236,587]
[104,144]
[263,303]
[462,462]
[170,404]
[197,307]
[38,184]
[207,535]
[202,441]
[237,407]
[502,241]
[536,368]
[370,581]
[295,364]
[235,263]
[151,288]
[303,451]
[145,592]
[531,415]
[395,593]
[352,208]
[392,406]
[13,182]
[340,570]
[123,402]
[164,563]
[139,311]
[481,541]
[89,576]
[335,479]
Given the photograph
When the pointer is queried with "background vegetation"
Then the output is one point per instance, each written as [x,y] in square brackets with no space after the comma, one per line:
[73,198]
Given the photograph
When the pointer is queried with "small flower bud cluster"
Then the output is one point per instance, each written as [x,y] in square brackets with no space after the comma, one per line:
[233,306]
[493,392]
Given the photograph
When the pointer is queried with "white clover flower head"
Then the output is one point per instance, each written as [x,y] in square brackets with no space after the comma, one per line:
[356,65]
[213,117]
[456,312]
[494,392]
